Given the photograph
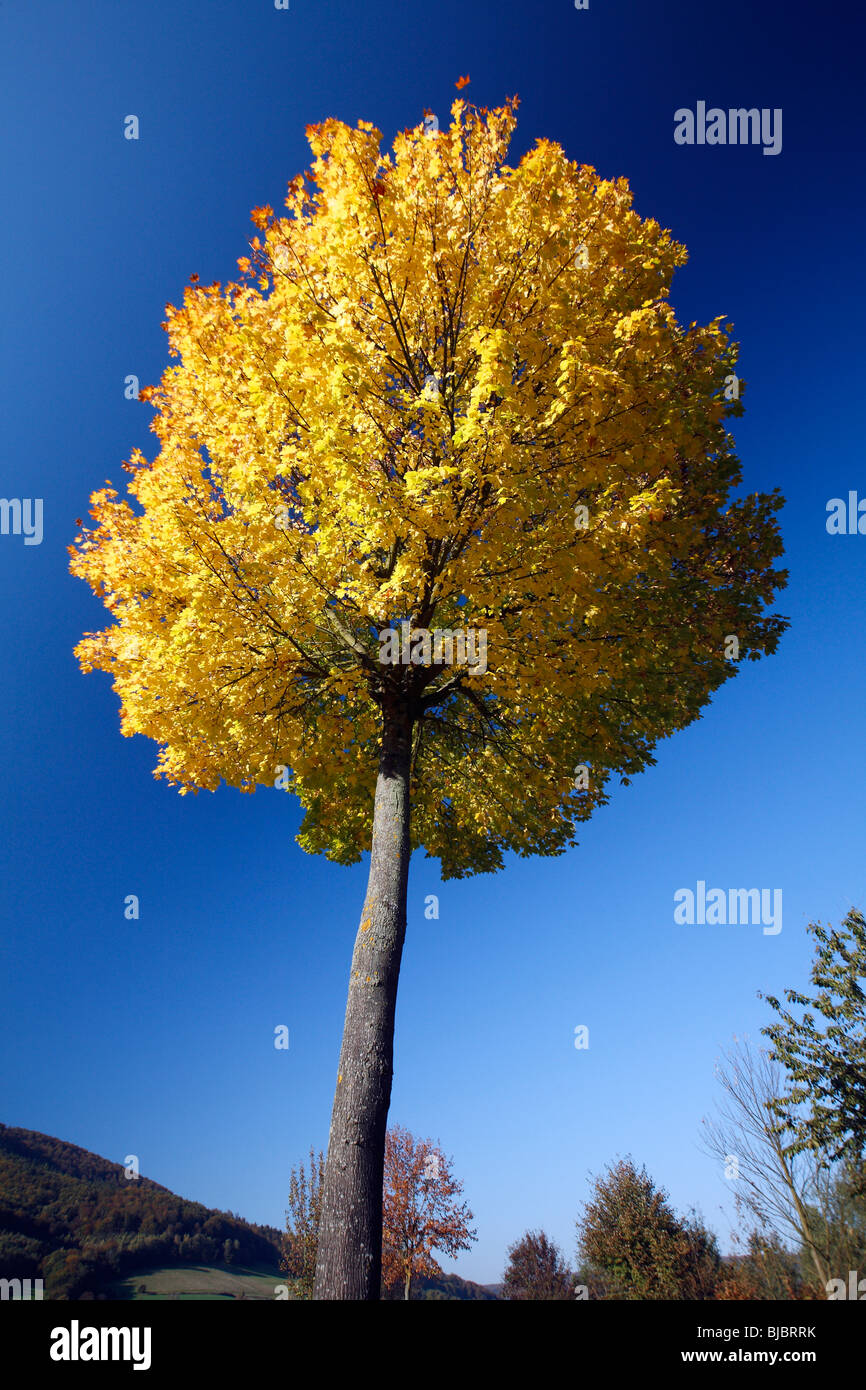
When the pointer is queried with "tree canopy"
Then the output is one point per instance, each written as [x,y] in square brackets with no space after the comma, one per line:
[824,1052]
[537,1270]
[635,1246]
[449,393]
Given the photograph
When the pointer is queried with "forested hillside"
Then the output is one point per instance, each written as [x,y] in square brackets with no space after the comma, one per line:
[77,1221]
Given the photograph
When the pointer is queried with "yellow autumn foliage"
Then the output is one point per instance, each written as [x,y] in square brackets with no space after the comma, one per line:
[425,367]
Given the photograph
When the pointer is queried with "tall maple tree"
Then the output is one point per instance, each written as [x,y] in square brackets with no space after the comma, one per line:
[421,1209]
[453,394]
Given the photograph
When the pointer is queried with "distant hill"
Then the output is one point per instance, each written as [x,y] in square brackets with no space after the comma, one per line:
[451,1287]
[75,1220]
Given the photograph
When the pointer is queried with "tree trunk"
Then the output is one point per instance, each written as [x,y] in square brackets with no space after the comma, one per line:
[805,1229]
[349,1264]
[821,1267]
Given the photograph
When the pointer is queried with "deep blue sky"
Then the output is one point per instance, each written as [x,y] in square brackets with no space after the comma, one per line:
[155,1037]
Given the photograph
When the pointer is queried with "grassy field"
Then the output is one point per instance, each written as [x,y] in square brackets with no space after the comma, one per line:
[206,1282]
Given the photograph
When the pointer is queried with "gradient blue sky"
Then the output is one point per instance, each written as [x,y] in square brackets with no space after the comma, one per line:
[155,1037]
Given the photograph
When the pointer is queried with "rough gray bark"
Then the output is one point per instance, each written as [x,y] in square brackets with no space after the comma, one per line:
[349,1263]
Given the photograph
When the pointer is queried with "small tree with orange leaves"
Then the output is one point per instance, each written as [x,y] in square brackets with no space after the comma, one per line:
[421,1211]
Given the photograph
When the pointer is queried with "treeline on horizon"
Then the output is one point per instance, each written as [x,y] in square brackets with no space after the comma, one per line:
[633,1245]
[76,1221]
[789,1135]
[73,1219]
